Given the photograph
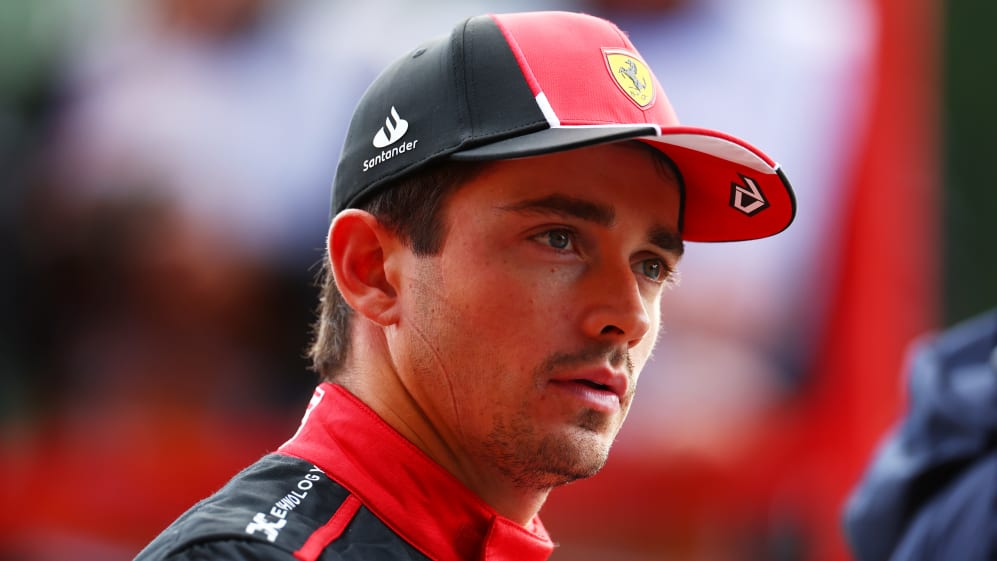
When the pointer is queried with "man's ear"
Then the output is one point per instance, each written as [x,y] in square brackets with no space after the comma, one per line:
[358,247]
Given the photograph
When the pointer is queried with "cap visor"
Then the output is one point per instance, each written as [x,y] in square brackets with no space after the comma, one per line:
[733,191]
[554,140]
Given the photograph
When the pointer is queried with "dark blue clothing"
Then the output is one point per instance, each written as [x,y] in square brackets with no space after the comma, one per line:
[931,492]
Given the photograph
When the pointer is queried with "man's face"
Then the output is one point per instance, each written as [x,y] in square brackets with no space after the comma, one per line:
[523,338]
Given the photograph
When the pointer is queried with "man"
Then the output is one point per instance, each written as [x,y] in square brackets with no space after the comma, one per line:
[510,204]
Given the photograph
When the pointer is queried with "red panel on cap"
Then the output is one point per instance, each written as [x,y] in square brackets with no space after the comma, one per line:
[577,81]
[733,191]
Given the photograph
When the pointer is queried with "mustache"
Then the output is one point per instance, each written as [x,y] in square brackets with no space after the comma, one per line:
[616,356]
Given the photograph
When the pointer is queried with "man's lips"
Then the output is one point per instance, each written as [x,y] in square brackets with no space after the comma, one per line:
[598,382]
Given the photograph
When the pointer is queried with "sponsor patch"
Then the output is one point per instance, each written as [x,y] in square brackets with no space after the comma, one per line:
[270,523]
[747,197]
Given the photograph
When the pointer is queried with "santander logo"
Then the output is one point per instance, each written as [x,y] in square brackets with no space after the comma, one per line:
[391,132]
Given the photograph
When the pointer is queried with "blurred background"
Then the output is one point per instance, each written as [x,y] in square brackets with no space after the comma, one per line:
[166,168]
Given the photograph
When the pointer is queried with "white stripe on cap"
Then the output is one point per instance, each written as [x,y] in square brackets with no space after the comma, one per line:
[547,110]
[719,147]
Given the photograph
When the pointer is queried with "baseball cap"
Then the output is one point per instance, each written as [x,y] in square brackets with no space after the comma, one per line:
[504,86]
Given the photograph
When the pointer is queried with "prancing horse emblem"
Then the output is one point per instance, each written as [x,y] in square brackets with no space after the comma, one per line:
[631,72]
[631,75]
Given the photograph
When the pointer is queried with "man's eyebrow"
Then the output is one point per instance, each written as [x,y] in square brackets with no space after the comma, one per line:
[602,215]
[668,240]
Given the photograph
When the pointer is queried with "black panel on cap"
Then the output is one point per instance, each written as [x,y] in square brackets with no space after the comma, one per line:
[460,91]
[500,102]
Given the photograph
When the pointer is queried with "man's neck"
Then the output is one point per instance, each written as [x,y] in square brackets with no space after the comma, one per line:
[374,383]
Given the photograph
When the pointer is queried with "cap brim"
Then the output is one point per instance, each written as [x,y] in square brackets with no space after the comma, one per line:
[732,191]
[555,139]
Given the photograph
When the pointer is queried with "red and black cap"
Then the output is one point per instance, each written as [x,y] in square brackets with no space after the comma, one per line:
[518,85]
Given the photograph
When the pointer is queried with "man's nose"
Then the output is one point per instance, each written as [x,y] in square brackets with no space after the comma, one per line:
[617,311]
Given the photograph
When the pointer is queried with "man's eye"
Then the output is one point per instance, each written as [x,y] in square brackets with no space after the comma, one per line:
[654,269]
[558,239]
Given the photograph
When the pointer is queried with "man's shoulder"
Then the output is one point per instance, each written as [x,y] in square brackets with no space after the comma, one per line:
[278,501]
[279,508]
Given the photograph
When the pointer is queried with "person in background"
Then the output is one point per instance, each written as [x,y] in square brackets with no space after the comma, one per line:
[931,492]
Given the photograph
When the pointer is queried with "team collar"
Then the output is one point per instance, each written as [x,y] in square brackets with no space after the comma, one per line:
[413,495]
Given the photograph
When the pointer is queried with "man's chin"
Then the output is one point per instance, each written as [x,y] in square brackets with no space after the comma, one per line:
[535,458]
[572,457]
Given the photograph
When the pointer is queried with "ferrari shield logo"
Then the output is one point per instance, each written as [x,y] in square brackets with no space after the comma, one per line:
[632,76]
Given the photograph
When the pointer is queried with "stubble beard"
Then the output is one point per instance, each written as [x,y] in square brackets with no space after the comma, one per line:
[537,460]
[534,461]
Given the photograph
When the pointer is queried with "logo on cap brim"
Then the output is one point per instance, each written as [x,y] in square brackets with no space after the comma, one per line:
[747,198]
[632,76]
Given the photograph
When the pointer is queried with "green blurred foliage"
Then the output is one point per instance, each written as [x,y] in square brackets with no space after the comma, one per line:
[969,112]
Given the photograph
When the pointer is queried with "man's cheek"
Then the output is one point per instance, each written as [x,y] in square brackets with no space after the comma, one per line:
[641,353]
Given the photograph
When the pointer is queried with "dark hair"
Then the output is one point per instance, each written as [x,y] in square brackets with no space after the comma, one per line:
[412,208]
